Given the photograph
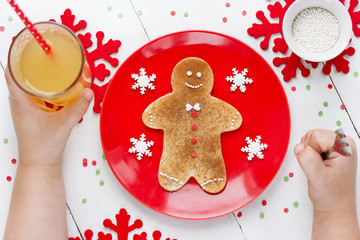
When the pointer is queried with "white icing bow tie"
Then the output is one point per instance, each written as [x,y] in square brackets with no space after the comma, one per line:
[195,107]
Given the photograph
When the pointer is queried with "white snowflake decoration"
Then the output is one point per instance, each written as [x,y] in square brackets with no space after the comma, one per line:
[254,148]
[239,80]
[141,147]
[143,81]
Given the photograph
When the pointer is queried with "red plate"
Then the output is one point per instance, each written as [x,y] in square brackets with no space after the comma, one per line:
[263,106]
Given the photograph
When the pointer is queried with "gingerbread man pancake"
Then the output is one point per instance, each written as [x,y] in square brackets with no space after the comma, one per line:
[192,121]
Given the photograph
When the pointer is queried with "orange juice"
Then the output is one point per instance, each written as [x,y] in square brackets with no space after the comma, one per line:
[48,73]
[56,77]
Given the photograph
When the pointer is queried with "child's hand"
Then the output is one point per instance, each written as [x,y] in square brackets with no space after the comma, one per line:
[331,181]
[38,201]
[331,185]
[41,135]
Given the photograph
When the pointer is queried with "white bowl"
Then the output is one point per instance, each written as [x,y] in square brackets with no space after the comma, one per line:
[334,7]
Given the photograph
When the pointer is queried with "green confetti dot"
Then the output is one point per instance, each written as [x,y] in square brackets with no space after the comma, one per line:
[338,123]
[103,156]
[140,12]
[10,18]
[262,215]
[84,200]
[308,87]
[109,8]
[286,178]
[320,113]
[356,74]
[296,204]
[6,140]
[97,172]
[325,104]
[101,183]
[186,14]
[120,15]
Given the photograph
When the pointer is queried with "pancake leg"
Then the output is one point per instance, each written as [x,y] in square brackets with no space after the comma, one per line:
[212,179]
[171,176]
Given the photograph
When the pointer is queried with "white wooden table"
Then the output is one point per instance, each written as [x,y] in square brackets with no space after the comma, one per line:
[282,211]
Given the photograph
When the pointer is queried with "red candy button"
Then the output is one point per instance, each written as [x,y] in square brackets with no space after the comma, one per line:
[194,154]
[193,127]
[194,114]
[193,140]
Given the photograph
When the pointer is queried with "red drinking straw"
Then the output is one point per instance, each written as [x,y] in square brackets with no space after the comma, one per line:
[30,26]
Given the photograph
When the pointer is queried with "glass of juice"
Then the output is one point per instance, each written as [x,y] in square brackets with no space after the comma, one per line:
[55,78]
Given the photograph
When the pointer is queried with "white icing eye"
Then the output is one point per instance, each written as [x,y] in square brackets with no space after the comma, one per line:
[198,74]
[189,73]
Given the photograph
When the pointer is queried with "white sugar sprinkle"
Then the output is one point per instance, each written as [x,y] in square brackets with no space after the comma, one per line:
[316,29]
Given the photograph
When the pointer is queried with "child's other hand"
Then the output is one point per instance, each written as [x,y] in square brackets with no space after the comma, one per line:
[331,182]
[41,135]
[331,186]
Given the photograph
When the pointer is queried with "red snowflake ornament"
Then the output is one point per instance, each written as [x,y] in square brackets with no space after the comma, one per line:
[293,62]
[99,93]
[268,29]
[68,20]
[122,228]
[102,51]
[355,16]
[143,236]
[340,63]
[88,235]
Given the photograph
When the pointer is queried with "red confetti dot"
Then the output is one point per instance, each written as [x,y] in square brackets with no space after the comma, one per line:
[244,13]
[293,88]
[88,234]
[342,106]
[194,114]
[193,140]
[93,163]
[193,127]
[264,202]
[13,161]
[2,28]
[286,210]
[239,214]
[194,154]
[172,13]
[8,178]
[330,86]
[227,4]
[85,162]
[291,174]
[224,19]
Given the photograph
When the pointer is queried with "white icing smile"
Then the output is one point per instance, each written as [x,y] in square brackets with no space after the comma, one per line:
[193,86]
[198,74]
